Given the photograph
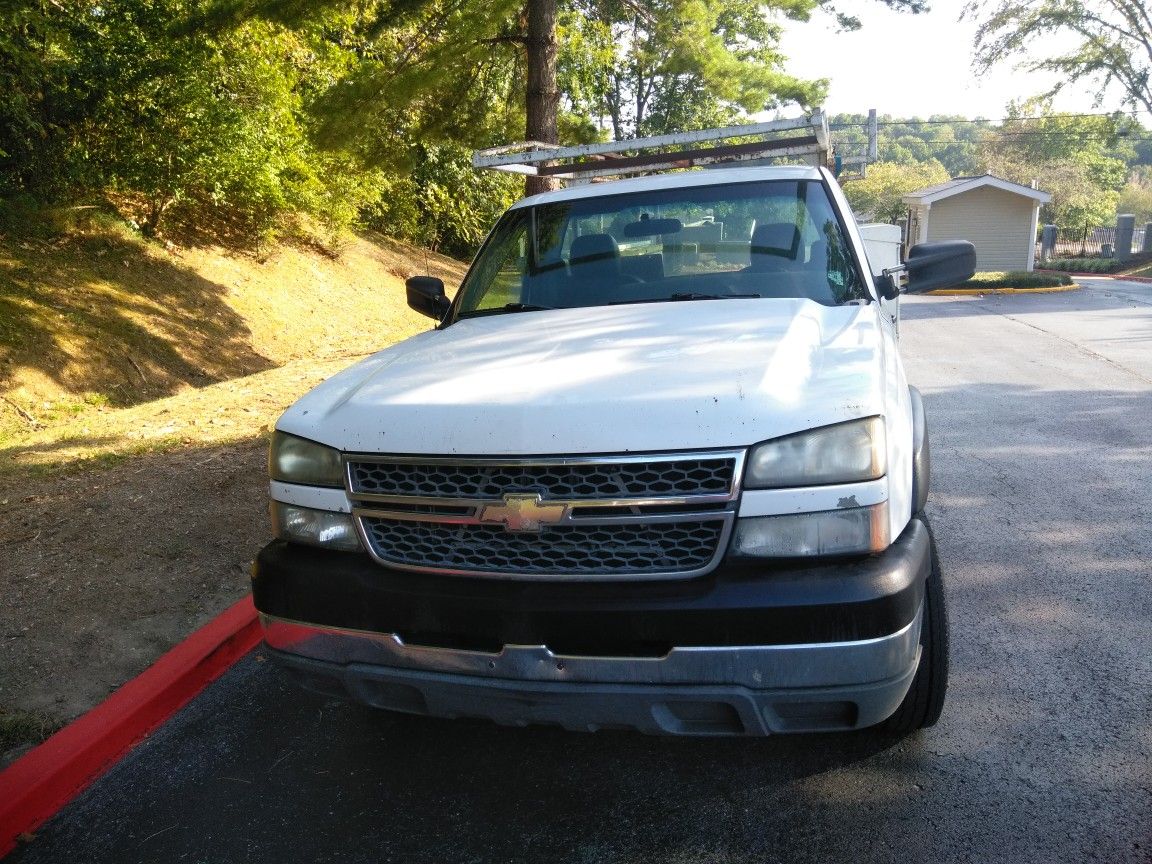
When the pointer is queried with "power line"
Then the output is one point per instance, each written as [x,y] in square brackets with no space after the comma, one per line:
[1049,136]
[912,139]
[981,120]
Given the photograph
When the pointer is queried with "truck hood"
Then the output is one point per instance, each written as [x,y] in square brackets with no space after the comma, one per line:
[644,377]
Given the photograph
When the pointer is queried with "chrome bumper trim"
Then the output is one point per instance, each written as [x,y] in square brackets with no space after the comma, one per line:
[829,664]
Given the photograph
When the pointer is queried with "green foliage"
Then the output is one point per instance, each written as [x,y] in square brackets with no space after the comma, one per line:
[1016,279]
[234,116]
[670,65]
[951,140]
[1136,196]
[1078,159]
[443,204]
[880,191]
[1100,43]
[1098,265]
[209,128]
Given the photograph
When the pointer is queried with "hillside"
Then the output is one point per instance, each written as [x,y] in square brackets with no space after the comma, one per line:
[108,344]
[137,388]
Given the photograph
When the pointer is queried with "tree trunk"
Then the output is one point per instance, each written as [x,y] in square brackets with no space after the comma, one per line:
[542,100]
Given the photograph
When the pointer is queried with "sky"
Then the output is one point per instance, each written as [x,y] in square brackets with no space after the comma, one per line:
[912,65]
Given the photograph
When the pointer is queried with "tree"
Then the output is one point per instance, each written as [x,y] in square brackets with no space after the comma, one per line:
[1136,196]
[113,102]
[542,98]
[878,194]
[952,140]
[1079,159]
[662,65]
[1113,42]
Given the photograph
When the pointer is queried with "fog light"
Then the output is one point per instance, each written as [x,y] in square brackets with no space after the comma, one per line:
[315,527]
[830,532]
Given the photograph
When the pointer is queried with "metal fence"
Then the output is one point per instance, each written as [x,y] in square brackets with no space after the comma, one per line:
[1088,242]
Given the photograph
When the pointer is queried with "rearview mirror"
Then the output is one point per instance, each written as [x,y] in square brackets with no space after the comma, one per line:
[652,227]
[939,265]
[426,296]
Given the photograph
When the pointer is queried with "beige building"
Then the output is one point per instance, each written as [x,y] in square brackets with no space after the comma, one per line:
[998,217]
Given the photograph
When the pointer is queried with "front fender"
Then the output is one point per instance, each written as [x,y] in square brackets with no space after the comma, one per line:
[921,453]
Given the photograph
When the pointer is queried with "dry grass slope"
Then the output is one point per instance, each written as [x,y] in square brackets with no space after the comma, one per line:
[109,345]
[137,388]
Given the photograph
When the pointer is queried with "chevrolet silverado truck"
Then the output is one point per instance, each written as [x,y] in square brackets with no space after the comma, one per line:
[657,466]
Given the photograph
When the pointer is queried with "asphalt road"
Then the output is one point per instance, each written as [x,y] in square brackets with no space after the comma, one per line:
[1041,422]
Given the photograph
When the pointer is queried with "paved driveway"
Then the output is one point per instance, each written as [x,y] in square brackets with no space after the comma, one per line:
[1041,419]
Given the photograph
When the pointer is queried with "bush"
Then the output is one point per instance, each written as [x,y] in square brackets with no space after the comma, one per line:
[443,204]
[1098,265]
[1017,279]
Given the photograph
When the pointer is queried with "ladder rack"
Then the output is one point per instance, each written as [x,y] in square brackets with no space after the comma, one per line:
[585,162]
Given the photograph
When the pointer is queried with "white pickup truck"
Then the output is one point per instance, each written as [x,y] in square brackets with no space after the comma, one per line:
[657,466]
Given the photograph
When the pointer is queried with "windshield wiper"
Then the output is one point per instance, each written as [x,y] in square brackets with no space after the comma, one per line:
[687,295]
[508,307]
[692,295]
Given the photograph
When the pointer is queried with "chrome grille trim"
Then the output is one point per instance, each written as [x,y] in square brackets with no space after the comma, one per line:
[729,462]
[433,519]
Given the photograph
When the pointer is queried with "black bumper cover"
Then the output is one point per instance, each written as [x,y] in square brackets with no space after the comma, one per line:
[740,603]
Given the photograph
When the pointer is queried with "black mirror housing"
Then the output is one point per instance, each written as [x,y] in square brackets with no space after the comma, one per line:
[939,265]
[426,296]
[887,286]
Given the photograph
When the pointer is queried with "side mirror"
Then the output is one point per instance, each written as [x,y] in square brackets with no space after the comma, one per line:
[939,265]
[426,296]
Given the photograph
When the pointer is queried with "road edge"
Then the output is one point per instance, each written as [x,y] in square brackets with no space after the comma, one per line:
[1119,277]
[972,292]
[36,786]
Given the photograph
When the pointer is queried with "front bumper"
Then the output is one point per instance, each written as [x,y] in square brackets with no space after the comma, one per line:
[746,650]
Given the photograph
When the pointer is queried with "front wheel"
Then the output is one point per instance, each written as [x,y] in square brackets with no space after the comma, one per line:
[925,700]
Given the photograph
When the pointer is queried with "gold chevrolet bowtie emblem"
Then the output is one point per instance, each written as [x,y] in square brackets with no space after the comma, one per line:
[523,513]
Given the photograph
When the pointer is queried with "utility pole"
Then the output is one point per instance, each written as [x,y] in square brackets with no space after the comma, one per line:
[873,136]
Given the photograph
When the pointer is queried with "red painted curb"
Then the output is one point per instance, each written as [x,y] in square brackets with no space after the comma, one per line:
[38,784]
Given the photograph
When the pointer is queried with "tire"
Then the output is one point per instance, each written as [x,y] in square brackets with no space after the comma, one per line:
[925,700]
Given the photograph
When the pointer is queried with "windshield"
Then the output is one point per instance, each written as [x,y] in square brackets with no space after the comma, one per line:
[762,239]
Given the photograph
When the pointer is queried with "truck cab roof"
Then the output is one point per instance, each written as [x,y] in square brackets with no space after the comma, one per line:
[708,177]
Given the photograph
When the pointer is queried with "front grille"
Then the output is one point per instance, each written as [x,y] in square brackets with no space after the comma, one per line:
[576,481]
[562,550]
[595,517]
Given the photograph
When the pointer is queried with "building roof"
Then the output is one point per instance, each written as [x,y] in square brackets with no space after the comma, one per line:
[959,185]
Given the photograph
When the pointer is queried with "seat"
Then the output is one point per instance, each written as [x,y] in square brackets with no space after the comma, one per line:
[594,265]
[595,256]
[775,246]
[776,253]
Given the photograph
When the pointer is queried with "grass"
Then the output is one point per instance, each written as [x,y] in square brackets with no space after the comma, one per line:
[1010,282]
[1144,271]
[1017,279]
[111,346]
[1137,265]
[24,727]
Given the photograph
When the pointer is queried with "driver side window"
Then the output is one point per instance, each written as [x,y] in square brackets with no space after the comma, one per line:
[502,280]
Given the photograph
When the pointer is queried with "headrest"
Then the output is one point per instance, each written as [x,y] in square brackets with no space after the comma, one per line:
[776,238]
[593,247]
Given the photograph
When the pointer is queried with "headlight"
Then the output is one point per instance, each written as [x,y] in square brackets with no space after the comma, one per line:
[797,535]
[315,527]
[298,460]
[845,453]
